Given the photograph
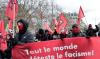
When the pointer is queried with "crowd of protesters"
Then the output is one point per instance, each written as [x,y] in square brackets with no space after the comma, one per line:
[44,35]
[24,36]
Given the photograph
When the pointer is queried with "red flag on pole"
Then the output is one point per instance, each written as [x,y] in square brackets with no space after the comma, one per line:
[80,15]
[62,23]
[2,30]
[10,24]
[11,10]
[3,43]
[2,26]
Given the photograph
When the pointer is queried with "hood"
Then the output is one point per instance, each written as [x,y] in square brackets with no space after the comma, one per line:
[25,23]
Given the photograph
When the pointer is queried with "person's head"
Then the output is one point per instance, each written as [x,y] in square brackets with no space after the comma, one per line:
[41,31]
[22,25]
[90,26]
[75,28]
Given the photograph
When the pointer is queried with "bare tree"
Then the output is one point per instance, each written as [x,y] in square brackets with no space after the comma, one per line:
[35,11]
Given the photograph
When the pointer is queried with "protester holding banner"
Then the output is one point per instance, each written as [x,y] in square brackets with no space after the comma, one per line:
[40,35]
[75,32]
[23,36]
[92,32]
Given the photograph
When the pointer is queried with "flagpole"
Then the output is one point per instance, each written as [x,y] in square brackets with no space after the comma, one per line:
[14,19]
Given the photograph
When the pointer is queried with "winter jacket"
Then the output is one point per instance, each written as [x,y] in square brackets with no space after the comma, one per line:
[92,32]
[24,36]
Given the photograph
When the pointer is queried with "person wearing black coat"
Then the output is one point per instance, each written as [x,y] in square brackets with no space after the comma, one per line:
[75,32]
[40,35]
[92,32]
[23,36]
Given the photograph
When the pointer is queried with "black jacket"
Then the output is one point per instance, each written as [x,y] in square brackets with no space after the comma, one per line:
[92,32]
[24,36]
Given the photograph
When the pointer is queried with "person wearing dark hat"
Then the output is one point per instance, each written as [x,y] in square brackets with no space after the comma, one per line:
[92,32]
[40,35]
[75,32]
[23,35]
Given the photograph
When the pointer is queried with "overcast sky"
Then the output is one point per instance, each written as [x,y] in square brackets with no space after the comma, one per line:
[91,9]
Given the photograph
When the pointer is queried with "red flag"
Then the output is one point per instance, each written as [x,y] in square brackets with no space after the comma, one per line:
[3,44]
[2,26]
[55,22]
[62,23]
[11,10]
[80,15]
[10,24]
[2,29]
[46,26]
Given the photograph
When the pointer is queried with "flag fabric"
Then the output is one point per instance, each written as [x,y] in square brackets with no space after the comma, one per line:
[0,26]
[10,24]
[80,15]
[46,27]
[11,10]
[3,44]
[2,30]
[62,23]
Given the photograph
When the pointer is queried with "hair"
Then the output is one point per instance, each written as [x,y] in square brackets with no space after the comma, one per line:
[25,23]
